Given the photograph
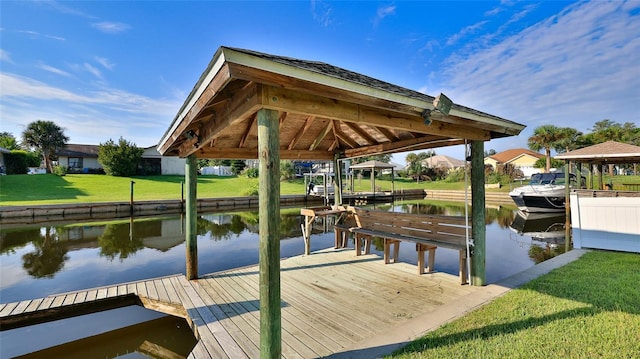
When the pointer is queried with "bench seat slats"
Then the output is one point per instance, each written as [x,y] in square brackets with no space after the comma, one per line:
[427,231]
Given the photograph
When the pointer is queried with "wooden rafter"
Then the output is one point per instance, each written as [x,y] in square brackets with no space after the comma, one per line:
[362,133]
[400,146]
[321,136]
[307,124]
[244,153]
[252,123]
[337,132]
[287,100]
[387,133]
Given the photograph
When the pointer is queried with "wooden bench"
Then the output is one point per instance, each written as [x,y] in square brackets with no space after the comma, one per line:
[428,232]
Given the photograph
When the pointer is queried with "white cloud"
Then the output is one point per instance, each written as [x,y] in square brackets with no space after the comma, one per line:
[111,27]
[92,70]
[105,62]
[322,13]
[54,70]
[469,30]
[383,12]
[5,56]
[90,116]
[573,69]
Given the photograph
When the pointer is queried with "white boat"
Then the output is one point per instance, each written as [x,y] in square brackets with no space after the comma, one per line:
[544,193]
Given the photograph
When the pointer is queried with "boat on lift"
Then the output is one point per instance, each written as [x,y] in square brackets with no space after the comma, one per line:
[544,193]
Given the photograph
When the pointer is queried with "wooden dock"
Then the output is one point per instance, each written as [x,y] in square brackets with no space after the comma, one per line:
[331,301]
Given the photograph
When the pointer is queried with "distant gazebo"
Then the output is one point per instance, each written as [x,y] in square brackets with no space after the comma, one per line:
[373,166]
[606,153]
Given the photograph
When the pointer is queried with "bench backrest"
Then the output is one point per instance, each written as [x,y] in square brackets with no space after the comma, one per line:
[447,229]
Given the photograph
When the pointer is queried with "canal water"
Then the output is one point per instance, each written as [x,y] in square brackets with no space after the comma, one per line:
[44,259]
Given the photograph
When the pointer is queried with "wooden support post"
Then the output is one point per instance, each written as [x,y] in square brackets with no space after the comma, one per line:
[478,225]
[269,227]
[567,206]
[337,191]
[601,178]
[191,217]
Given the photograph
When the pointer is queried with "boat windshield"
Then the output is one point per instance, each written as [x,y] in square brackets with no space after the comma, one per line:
[547,178]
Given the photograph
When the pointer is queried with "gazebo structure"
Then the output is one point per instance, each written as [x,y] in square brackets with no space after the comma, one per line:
[250,105]
[603,154]
[373,166]
[603,219]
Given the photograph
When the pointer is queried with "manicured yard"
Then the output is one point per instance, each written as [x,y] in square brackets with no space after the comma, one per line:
[78,188]
[587,309]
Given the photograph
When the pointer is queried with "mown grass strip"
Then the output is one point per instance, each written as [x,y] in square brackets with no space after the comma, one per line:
[589,308]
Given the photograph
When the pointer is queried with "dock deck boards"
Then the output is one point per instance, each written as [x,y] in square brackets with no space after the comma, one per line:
[331,300]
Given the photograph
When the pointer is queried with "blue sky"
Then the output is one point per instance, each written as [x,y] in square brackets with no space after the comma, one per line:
[105,70]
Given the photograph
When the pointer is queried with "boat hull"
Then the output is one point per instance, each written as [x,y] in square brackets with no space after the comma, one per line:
[539,203]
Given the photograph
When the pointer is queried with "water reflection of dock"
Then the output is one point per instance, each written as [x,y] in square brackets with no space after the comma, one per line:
[322,304]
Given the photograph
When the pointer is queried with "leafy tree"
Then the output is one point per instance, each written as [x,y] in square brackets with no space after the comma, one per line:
[542,163]
[237,166]
[386,158]
[489,152]
[607,130]
[287,170]
[572,140]
[8,141]
[546,137]
[414,162]
[46,137]
[119,159]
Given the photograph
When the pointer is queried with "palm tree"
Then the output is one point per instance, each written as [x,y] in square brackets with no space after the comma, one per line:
[572,140]
[45,136]
[546,137]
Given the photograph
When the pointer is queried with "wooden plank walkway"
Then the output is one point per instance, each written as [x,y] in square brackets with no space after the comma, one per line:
[331,300]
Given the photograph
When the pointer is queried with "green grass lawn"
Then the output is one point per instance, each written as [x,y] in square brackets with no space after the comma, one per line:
[82,188]
[79,188]
[589,308]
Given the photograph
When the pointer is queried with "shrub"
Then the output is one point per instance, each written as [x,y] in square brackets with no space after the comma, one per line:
[251,172]
[119,159]
[60,170]
[16,162]
[253,190]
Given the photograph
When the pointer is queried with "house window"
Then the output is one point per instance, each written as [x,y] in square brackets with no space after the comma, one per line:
[75,163]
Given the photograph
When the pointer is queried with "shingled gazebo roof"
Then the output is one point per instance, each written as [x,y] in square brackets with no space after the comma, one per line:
[323,110]
[604,153]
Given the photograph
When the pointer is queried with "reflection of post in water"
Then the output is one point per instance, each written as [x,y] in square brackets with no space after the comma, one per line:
[131,228]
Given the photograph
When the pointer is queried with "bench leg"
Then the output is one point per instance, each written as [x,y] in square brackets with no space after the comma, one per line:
[360,244]
[431,262]
[463,267]
[387,249]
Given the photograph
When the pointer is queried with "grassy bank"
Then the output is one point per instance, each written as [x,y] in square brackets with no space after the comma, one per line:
[587,309]
[77,188]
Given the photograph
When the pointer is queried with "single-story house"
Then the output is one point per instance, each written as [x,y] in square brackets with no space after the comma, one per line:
[79,158]
[84,159]
[520,158]
[442,161]
[154,163]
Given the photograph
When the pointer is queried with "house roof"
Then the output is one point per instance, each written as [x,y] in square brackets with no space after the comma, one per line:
[606,152]
[323,110]
[372,164]
[443,161]
[512,154]
[76,150]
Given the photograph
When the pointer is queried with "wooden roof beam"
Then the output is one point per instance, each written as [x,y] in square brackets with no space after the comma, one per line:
[400,146]
[287,100]
[387,133]
[321,136]
[244,153]
[307,124]
[245,103]
[361,132]
[252,123]
[337,132]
